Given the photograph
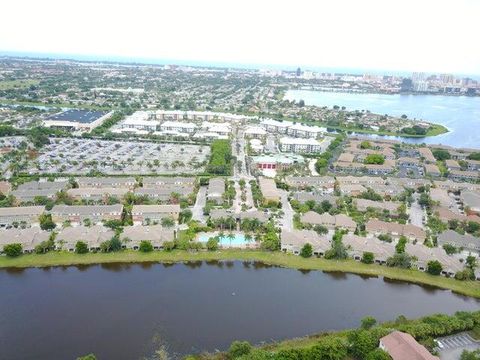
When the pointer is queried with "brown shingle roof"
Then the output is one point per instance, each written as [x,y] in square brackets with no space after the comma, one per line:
[402,346]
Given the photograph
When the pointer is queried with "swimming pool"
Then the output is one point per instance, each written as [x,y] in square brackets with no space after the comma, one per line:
[237,240]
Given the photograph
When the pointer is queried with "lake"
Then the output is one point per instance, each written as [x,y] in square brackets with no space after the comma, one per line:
[460,114]
[127,311]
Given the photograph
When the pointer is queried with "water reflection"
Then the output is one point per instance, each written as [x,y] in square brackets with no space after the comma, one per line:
[116,267]
[246,264]
[337,275]
[305,271]
[193,264]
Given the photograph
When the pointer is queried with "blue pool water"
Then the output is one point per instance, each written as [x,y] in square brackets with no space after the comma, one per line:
[238,240]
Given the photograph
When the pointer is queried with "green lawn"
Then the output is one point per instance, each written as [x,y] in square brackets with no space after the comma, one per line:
[53,105]
[436,130]
[469,288]
[17,84]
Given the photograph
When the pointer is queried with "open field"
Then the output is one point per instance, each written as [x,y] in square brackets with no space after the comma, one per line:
[54,105]
[17,84]
[468,288]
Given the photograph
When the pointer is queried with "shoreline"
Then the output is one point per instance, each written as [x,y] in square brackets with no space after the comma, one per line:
[60,259]
[408,93]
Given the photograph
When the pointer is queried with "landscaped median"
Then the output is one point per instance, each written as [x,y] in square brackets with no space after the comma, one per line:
[468,288]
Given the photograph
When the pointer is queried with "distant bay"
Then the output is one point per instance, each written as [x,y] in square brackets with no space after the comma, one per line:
[460,114]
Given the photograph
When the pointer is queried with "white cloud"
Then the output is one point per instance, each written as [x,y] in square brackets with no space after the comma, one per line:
[409,35]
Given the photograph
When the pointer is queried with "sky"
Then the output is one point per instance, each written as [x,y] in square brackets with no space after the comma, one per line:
[392,35]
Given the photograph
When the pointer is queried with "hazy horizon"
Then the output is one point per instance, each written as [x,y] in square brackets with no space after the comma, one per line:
[208,64]
[372,35]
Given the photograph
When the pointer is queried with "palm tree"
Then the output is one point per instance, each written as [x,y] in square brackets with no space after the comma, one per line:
[248,237]
[167,222]
[230,237]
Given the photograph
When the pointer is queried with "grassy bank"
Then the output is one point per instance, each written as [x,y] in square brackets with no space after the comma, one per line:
[436,129]
[468,288]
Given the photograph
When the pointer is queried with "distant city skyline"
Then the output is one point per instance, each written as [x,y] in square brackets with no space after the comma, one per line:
[372,36]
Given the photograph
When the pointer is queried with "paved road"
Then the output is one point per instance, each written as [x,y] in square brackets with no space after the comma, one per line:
[197,210]
[237,202]
[239,153]
[248,190]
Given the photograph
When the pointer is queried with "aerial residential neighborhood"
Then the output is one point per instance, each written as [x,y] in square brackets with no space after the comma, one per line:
[309,185]
[211,180]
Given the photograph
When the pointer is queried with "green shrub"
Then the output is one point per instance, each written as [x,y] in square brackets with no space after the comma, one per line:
[466,274]
[239,348]
[331,349]
[306,251]
[168,245]
[403,261]
[434,267]
[362,342]
[374,159]
[368,257]
[378,354]
[145,246]
[44,247]
[212,244]
[115,243]
[81,247]
[13,250]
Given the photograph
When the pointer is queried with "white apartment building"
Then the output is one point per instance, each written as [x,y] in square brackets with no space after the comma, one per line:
[255,132]
[276,126]
[300,145]
[196,115]
[299,130]
[178,126]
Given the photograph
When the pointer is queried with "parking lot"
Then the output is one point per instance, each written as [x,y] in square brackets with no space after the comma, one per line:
[410,171]
[451,347]
[79,156]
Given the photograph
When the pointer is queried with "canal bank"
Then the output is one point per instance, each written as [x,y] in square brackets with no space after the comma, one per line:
[467,288]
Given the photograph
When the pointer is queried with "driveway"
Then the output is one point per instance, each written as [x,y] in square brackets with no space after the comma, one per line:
[311,167]
[416,213]
[197,210]
[287,218]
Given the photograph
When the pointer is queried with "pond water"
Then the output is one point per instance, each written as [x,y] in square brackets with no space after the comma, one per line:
[122,311]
